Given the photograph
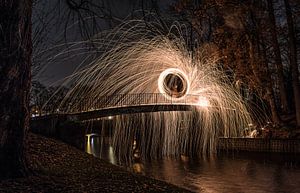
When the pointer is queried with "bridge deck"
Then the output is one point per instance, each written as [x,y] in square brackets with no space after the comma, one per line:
[128,110]
[98,113]
[92,108]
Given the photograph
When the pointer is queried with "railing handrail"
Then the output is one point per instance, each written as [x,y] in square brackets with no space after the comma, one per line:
[85,104]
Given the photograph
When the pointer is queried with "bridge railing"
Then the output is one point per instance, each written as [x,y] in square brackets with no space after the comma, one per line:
[85,104]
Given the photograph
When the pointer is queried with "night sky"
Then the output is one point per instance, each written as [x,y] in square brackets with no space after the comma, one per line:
[49,24]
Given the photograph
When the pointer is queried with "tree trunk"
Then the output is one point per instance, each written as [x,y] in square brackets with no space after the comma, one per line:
[269,92]
[15,76]
[278,60]
[293,59]
[259,65]
[270,97]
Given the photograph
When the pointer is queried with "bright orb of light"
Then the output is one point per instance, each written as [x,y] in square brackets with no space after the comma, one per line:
[173,84]
[203,101]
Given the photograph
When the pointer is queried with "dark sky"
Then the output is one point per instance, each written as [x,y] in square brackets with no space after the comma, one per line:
[49,24]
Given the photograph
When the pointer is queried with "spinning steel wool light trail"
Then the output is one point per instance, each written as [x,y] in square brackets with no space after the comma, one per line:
[139,58]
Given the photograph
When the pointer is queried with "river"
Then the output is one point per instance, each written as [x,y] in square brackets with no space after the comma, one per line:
[227,172]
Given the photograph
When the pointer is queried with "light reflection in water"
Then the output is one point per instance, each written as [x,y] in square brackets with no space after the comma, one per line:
[111,155]
[225,173]
[99,146]
[88,147]
[138,168]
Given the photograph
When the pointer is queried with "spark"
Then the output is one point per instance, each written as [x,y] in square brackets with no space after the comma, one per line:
[173,84]
[203,102]
[134,60]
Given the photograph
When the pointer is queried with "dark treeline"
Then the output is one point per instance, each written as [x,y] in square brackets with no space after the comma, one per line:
[258,41]
[45,99]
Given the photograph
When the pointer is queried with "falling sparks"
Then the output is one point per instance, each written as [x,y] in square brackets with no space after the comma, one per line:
[136,60]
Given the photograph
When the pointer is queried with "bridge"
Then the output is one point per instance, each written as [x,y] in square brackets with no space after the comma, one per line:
[81,109]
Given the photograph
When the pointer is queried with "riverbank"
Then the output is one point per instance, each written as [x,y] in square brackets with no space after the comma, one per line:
[291,146]
[58,167]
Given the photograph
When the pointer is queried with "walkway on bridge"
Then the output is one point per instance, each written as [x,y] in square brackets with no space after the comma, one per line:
[103,106]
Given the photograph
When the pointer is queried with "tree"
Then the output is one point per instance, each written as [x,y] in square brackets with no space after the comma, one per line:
[278,60]
[15,64]
[39,96]
[293,59]
[246,36]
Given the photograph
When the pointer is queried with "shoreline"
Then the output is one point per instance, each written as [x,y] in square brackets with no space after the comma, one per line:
[289,146]
[58,167]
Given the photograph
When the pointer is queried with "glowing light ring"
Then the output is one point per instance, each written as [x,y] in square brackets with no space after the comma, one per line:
[168,76]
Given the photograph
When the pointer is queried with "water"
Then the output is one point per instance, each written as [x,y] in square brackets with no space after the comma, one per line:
[228,172]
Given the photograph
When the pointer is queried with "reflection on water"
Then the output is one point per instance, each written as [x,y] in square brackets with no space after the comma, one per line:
[226,173]
[100,147]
